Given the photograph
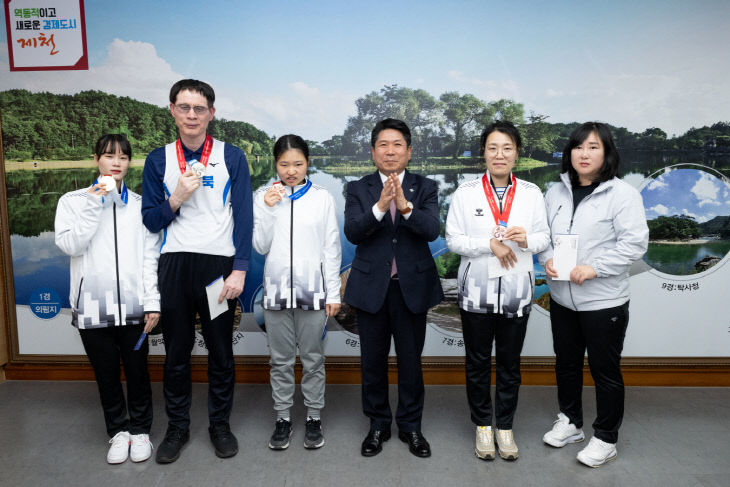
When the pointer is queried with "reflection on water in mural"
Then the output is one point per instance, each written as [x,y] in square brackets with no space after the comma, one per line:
[685,259]
[33,195]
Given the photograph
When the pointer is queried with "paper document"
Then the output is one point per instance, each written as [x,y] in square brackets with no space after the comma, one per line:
[213,291]
[524,262]
[565,254]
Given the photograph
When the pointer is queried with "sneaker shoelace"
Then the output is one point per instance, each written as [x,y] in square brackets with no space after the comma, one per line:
[483,434]
[141,439]
[118,438]
[601,446]
[561,426]
[174,434]
[281,427]
[505,439]
[313,426]
[222,431]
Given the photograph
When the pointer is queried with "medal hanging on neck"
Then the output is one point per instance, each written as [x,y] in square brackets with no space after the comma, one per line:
[301,191]
[202,165]
[500,217]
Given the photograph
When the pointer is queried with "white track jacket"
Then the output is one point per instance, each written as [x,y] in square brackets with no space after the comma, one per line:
[469,227]
[113,258]
[301,241]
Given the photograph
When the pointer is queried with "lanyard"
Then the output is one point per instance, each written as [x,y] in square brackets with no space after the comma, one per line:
[301,191]
[182,163]
[500,217]
[124,196]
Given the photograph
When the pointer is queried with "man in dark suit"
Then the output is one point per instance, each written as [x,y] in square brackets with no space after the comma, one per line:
[391,216]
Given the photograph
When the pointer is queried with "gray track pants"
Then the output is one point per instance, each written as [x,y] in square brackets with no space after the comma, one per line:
[285,330]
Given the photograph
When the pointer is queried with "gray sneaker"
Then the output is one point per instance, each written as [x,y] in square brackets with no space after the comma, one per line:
[484,447]
[313,437]
[282,432]
[506,445]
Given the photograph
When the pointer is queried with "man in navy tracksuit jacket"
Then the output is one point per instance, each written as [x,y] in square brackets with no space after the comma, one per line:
[197,191]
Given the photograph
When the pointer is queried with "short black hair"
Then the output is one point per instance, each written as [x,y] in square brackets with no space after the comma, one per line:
[391,123]
[290,141]
[108,143]
[504,126]
[611,159]
[193,85]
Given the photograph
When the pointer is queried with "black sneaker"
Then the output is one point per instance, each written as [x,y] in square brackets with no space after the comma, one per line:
[313,437]
[280,439]
[169,449]
[226,445]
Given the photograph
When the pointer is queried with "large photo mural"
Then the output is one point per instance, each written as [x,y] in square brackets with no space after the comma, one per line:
[329,72]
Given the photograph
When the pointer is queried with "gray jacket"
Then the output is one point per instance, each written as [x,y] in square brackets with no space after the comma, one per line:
[613,233]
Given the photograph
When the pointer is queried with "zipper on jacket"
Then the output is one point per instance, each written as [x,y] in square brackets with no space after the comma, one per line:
[552,240]
[78,298]
[463,279]
[570,230]
[291,253]
[116,258]
[499,295]
[499,283]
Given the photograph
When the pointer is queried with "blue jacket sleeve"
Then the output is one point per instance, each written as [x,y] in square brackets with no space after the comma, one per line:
[156,211]
[242,205]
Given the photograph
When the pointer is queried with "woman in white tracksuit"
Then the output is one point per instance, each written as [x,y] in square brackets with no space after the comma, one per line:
[296,228]
[113,293]
[496,223]
[589,305]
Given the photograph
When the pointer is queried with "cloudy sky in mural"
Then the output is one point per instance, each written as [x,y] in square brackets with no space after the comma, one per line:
[689,192]
[299,66]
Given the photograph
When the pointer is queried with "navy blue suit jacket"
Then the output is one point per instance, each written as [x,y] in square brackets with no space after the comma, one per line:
[405,239]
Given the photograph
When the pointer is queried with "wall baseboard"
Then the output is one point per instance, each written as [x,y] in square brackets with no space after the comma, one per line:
[637,371]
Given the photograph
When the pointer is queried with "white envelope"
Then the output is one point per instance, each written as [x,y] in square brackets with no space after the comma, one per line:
[524,262]
[213,291]
[565,254]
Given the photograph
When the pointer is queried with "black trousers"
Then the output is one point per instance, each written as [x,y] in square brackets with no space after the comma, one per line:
[105,347]
[602,333]
[183,277]
[409,333]
[480,331]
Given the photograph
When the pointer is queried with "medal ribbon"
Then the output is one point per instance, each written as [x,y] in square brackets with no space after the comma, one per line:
[301,191]
[500,218]
[207,147]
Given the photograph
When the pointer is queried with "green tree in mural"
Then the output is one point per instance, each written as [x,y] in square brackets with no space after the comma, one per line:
[415,107]
[460,114]
[676,227]
[537,135]
[50,126]
[653,139]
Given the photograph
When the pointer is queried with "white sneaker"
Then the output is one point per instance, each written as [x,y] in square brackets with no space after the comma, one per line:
[506,445]
[563,432]
[484,448]
[596,453]
[140,448]
[119,451]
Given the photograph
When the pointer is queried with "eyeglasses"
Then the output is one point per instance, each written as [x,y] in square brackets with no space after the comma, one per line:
[198,109]
[494,150]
